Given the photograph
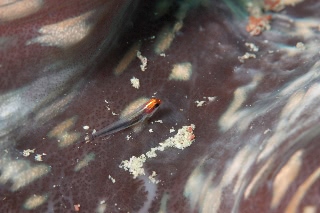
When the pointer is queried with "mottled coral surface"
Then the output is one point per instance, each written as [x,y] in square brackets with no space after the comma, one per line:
[237,129]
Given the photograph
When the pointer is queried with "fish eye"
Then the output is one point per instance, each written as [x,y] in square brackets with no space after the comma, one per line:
[156,105]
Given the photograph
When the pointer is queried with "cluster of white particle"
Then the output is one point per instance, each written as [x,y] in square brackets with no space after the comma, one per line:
[152,178]
[199,103]
[210,99]
[112,179]
[134,165]
[27,152]
[252,47]
[246,56]
[135,82]
[181,72]
[143,60]
[300,46]
[184,138]
[38,157]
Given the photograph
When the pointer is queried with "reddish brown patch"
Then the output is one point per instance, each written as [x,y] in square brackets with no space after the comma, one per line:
[258,24]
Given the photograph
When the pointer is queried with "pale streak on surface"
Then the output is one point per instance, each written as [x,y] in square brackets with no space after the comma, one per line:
[245,160]
[85,161]
[65,33]
[232,115]
[258,178]
[212,200]
[18,9]
[20,172]
[163,203]
[240,162]
[127,59]
[301,192]
[47,113]
[211,196]
[298,104]
[34,201]
[166,36]
[197,186]
[305,27]
[309,209]
[285,177]
[205,189]
[280,132]
[62,134]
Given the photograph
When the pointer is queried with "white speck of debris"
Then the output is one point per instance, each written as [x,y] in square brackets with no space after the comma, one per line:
[38,157]
[199,103]
[246,56]
[106,101]
[252,47]
[210,99]
[85,127]
[159,121]
[102,202]
[172,130]
[135,82]
[267,130]
[143,60]
[152,178]
[128,137]
[94,131]
[87,138]
[181,72]
[150,130]
[300,46]
[112,179]
[183,139]
[163,54]
[113,113]
[27,152]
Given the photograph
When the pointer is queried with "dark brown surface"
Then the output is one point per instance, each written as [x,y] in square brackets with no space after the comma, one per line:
[260,133]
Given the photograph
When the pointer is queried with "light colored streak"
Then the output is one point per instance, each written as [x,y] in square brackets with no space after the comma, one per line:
[34,201]
[301,192]
[197,187]
[163,203]
[285,177]
[233,113]
[18,9]
[65,33]
[297,106]
[166,36]
[258,178]
[309,209]
[127,59]
[84,162]
[62,134]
